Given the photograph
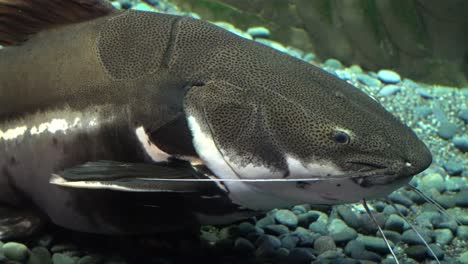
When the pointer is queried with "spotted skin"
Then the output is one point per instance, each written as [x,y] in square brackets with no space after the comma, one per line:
[139,69]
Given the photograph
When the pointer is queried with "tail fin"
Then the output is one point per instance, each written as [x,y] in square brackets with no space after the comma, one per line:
[20,19]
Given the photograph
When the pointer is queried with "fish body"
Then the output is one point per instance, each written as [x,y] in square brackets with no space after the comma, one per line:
[177,93]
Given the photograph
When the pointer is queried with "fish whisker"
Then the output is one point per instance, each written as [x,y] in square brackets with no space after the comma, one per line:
[414,229]
[439,207]
[364,203]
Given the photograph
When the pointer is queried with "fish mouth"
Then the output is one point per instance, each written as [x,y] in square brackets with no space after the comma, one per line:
[366,174]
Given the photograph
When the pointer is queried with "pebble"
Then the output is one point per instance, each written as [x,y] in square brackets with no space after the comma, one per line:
[267,245]
[319,227]
[90,259]
[259,32]
[299,256]
[286,218]
[461,198]
[246,228]
[410,237]
[367,80]
[299,209]
[334,64]
[306,238]
[443,236]
[417,252]
[453,168]
[40,255]
[447,130]
[461,143]
[276,229]
[395,223]
[389,76]
[388,90]
[437,251]
[454,184]
[393,236]
[396,197]
[463,115]
[289,241]
[423,111]
[463,258]
[309,57]
[348,215]
[375,244]
[243,246]
[424,94]
[462,232]
[340,232]
[433,181]
[15,251]
[61,258]
[265,221]
[272,44]
[324,243]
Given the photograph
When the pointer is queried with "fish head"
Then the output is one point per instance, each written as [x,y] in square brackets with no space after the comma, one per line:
[300,135]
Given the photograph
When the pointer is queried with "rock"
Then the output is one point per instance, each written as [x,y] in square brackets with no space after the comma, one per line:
[246,228]
[462,232]
[281,253]
[243,246]
[60,258]
[62,248]
[267,220]
[276,229]
[348,215]
[340,232]
[299,209]
[444,223]
[427,218]
[461,143]
[438,252]
[330,255]
[259,32]
[424,93]
[393,236]
[396,197]
[319,227]
[454,184]
[375,244]
[461,198]
[447,130]
[309,57]
[367,80]
[90,259]
[334,64]
[410,237]
[324,243]
[267,245]
[125,4]
[15,251]
[423,111]
[306,238]
[417,252]
[354,246]
[446,200]
[388,76]
[463,115]
[40,255]
[272,44]
[443,236]
[395,223]
[433,181]
[299,256]
[453,168]
[389,210]
[463,258]
[286,218]
[289,241]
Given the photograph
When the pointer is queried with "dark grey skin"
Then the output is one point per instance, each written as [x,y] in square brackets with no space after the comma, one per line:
[125,70]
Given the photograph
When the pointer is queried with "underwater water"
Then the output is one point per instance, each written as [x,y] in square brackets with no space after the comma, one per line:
[306,233]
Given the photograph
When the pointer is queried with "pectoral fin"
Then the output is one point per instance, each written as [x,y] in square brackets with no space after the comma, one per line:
[131,177]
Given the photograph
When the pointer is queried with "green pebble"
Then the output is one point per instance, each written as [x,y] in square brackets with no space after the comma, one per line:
[62,247]
[59,258]
[90,260]
[39,255]
[15,251]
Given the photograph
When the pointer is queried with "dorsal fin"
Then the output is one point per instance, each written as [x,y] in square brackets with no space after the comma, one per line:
[21,18]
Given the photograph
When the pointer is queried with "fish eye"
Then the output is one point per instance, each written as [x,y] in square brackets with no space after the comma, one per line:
[341,137]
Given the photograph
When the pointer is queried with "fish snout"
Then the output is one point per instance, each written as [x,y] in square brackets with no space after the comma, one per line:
[416,161]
